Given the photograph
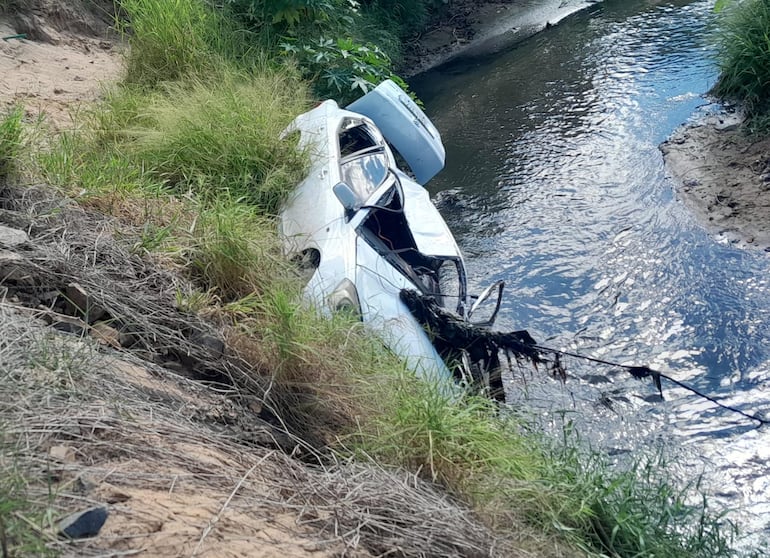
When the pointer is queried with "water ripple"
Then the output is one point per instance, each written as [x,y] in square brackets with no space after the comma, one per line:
[554,182]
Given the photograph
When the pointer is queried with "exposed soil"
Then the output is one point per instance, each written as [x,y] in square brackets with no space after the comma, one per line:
[465,21]
[56,55]
[724,177]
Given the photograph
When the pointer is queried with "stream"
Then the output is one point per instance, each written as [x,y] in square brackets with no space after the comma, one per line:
[554,183]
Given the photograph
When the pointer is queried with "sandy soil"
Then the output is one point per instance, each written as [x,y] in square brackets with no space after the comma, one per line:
[61,63]
[724,177]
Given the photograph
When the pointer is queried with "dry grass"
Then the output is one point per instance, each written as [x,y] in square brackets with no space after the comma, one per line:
[185,463]
[124,434]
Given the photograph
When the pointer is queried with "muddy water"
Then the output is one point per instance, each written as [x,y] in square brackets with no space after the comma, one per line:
[554,183]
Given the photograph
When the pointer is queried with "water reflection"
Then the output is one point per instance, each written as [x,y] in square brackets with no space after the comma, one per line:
[555,184]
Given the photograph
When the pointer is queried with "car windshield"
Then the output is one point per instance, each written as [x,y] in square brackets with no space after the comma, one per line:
[365,173]
[364,162]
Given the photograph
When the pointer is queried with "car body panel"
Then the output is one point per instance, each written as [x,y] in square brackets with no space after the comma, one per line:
[406,126]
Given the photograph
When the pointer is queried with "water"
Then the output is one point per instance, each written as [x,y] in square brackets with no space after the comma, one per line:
[554,183]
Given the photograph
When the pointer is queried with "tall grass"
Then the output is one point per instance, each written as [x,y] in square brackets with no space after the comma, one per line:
[210,137]
[10,140]
[512,474]
[234,251]
[744,59]
[175,38]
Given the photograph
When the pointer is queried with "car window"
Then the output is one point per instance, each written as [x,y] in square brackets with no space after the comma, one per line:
[355,139]
[365,173]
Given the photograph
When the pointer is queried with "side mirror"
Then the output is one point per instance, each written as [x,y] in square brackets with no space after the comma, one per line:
[348,198]
[486,305]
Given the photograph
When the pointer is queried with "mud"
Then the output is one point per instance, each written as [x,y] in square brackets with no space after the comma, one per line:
[723,176]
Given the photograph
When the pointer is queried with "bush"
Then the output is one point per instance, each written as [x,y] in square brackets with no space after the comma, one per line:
[344,49]
[341,68]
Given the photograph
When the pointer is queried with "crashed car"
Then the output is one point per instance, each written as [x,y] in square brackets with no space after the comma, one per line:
[365,230]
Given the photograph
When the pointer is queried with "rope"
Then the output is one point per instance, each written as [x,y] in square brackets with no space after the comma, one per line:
[640,372]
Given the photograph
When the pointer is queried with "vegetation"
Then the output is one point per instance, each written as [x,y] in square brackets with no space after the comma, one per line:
[186,152]
[744,60]
[21,519]
[343,47]
[10,140]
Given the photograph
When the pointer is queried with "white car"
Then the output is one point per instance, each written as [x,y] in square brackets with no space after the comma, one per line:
[366,230]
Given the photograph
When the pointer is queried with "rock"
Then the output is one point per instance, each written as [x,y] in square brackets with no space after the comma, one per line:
[11,238]
[84,524]
[81,304]
[105,334]
[63,454]
[215,346]
[13,270]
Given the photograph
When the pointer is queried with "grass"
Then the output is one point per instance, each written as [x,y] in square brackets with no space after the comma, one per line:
[10,140]
[21,520]
[176,38]
[513,475]
[744,60]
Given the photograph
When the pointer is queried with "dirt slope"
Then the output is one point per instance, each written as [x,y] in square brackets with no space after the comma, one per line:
[65,55]
[123,403]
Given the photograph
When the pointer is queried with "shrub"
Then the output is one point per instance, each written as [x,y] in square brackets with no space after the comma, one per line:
[341,69]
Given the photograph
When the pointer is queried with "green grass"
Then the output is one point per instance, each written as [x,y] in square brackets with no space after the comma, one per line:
[744,60]
[21,519]
[222,136]
[568,492]
[176,38]
[10,140]
[198,165]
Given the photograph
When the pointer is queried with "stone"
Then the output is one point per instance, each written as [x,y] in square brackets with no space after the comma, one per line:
[80,303]
[11,238]
[105,334]
[63,454]
[83,524]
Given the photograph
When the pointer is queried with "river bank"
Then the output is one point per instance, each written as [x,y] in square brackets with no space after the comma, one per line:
[474,28]
[169,430]
[723,176]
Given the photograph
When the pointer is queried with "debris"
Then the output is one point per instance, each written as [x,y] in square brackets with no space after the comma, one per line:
[453,336]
